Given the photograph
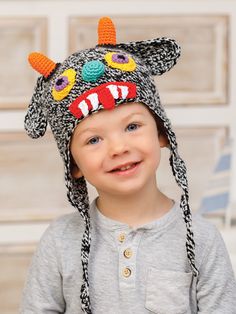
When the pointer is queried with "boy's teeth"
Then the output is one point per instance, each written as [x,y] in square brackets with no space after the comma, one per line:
[125,168]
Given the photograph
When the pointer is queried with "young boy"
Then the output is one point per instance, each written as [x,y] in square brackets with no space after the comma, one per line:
[134,250]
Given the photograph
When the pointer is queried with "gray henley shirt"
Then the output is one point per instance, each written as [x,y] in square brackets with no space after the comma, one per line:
[131,271]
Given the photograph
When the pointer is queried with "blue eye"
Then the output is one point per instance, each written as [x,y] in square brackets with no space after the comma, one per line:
[93,140]
[132,126]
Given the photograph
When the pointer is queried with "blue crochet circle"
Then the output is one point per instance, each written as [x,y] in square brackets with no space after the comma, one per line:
[92,70]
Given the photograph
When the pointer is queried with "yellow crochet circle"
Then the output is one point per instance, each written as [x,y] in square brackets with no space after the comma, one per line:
[70,74]
[130,66]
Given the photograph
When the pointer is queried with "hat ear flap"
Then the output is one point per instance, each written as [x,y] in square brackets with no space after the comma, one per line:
[159,54]
[35,121]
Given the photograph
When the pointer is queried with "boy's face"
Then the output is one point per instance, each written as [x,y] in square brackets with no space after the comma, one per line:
[109,139]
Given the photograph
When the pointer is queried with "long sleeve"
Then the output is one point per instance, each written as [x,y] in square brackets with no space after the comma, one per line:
[216,287]
[42,293]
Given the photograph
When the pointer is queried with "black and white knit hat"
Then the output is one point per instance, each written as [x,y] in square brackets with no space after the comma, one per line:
[96,79]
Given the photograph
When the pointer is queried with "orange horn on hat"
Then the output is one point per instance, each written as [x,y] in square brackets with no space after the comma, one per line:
[41,63]
[106,32]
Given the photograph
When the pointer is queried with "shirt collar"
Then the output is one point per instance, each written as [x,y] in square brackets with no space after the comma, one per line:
[109,224]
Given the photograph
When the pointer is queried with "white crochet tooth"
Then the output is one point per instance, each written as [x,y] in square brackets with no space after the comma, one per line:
[84,108]
[94,100]
[124,91]
[114,91]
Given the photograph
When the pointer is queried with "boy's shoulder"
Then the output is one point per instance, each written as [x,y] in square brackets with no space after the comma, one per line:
[202,227]
[65,226]
[204,231]
[206,235]
[63,220]
[73,219]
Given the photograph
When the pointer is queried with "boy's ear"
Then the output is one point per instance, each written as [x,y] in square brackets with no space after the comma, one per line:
[159,54]
[163,140]
[75,171]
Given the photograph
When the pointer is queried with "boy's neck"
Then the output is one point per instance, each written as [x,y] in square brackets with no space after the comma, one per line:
[135,210]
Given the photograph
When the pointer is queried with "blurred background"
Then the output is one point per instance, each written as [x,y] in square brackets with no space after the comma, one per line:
[198,93]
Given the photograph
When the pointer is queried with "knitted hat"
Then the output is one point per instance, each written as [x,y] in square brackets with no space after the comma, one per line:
[102,78]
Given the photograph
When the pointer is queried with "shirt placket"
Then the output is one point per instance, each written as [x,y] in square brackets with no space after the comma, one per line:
[128,243]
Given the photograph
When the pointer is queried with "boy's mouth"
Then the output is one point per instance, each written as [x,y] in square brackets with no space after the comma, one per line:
[126,171]
[125,167]
[105,94]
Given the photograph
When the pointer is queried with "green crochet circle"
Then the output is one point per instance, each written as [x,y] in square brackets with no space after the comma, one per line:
[92,70]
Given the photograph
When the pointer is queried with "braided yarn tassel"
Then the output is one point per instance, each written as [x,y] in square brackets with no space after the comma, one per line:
[85,249]
[190,244]
[78,196]
[180,173]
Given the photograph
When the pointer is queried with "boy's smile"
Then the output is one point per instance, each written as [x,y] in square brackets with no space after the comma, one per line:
[118,151]
[126,169]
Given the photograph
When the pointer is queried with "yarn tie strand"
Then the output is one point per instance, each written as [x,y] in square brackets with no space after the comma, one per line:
[85,250]
[180,173]
[190,244]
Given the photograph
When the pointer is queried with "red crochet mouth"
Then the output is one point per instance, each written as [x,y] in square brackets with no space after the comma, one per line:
[105,95]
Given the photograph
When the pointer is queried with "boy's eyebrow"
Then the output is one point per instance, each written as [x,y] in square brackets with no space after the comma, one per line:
[96,129]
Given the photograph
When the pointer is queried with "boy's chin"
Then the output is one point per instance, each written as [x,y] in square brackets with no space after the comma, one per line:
[121,192]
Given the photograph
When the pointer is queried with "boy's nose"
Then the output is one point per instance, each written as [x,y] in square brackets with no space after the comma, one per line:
[117,147]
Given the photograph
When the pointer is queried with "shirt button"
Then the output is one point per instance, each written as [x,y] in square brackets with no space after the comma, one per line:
[128,253]
[126,272]
[121,237]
